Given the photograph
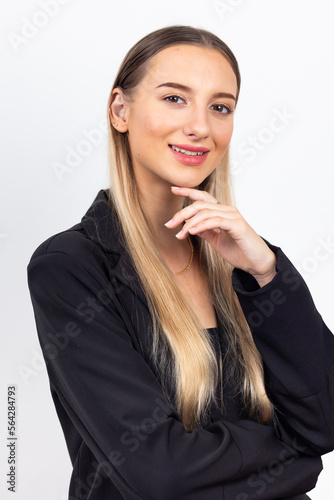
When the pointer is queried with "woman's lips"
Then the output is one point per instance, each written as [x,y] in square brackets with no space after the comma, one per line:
[196,154]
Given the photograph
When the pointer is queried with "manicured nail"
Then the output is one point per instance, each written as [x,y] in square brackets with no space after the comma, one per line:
[169,223]
[179,234]
[176,187]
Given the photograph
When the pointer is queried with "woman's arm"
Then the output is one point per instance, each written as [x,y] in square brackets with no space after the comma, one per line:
[298,353]
[296,346]
[117,404]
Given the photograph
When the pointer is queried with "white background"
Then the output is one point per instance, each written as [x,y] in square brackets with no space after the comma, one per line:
[55,84]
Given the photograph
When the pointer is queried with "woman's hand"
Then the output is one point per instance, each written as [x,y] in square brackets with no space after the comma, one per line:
[226,231]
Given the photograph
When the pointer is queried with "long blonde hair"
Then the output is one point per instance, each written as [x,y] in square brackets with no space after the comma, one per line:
[181,350]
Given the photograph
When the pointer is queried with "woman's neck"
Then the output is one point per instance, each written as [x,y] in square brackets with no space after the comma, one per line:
[160,206]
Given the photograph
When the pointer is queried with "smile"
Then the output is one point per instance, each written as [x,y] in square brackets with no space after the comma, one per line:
[188,153]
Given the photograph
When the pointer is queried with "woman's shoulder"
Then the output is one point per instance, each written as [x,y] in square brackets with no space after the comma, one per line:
[97,234]
[72,242]
[70,257]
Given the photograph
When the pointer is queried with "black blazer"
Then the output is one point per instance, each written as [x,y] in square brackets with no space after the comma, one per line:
[124,436]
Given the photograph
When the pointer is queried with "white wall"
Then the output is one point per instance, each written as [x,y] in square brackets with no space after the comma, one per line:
[55,84]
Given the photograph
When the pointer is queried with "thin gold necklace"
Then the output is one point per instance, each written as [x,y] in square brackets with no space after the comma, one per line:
[191,258]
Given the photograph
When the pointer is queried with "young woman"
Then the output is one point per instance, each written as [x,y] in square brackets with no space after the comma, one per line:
[185,355]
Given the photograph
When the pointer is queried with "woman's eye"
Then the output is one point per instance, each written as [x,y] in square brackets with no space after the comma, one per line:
[221,108]
[174,99]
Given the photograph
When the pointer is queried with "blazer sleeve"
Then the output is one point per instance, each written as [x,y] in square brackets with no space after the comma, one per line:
[298,354]
[117,404]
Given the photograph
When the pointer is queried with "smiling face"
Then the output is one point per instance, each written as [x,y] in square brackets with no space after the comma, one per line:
[180,119]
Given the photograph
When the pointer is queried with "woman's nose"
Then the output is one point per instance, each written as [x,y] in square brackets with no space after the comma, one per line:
[197,123]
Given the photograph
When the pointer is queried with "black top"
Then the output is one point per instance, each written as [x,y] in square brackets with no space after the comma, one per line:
[232,408]
[124,437]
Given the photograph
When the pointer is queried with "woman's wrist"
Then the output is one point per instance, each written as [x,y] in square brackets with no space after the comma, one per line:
[265,277]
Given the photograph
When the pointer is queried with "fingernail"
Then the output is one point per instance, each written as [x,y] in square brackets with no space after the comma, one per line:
[176,187]
[179,234]
[169,223]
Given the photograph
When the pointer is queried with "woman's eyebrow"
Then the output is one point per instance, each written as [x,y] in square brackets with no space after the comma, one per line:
[185,88]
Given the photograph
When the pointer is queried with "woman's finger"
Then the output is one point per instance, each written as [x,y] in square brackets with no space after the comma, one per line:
[202,200]
[213,220]
[194,194]
[220,220]
[201,209]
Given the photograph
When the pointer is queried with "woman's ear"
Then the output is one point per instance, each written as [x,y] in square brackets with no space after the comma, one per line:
[119,110]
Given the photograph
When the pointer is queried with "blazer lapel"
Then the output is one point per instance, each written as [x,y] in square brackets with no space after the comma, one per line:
[101,224]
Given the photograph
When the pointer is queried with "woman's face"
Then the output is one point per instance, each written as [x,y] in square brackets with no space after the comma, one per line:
[180,120]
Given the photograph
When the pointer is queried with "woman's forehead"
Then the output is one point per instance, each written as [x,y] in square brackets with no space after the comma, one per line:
[191,65]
